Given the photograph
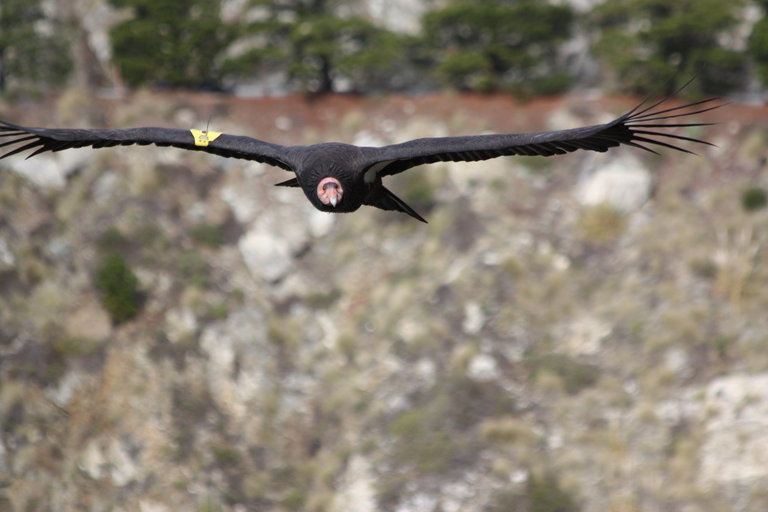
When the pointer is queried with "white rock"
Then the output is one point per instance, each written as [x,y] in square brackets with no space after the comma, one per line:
[48,171]
[242,197]
[106,185]
[357,488]
[320,223]
[367,138]
[180,323]
[426,370]
[122,467]
[92,461]
[483,367]
[420,502]
[466,177]
[65,388]
[7,259]
[152,506]
[622,182]
[735,447]
[474,318]
[267,255]
[585,335]
[239,361]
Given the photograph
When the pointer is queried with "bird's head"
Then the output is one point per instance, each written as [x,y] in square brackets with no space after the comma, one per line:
[328,176]
[329,191]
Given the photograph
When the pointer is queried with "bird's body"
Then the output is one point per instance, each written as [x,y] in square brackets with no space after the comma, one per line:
[339,177]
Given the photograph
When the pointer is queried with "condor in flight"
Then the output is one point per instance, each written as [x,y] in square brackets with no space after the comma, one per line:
[340,177]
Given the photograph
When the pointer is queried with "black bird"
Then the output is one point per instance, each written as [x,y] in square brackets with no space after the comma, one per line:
[340,177]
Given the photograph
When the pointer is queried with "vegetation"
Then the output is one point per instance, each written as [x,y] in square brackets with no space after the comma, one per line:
[351,384]
[207,235]
[361,380]
[652,42]
[573,375]
[545,494]
[496,45]
[119,287]
[177,44]
[758,43]
[29,54]
[318,44]
[753,198]
[542,494]
[329,45]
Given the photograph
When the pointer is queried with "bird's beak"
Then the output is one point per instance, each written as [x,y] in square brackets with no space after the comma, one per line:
[329,191]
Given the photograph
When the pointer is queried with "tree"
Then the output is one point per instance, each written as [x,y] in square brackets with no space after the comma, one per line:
[321,43]
[492,45]
[656,43]
[33,49]
[758,44]
[168,42]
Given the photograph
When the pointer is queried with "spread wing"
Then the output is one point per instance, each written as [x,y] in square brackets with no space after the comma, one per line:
[642,127]
[40,140]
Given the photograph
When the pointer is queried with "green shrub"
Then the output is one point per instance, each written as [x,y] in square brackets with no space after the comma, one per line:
[193,267]
[753,198]
[421,442]
[546,495]
[74,346]
[542,494]
[119,288]
[208,235]
[574,374]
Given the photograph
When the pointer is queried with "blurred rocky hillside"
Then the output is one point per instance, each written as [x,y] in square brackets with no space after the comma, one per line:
[586,332]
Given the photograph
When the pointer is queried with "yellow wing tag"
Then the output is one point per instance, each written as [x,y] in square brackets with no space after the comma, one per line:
[202,138]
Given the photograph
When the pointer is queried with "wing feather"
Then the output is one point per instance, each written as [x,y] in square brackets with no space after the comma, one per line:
[57,139]
[642,127]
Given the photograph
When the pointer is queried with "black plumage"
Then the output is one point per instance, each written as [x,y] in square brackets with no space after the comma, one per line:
[340,177]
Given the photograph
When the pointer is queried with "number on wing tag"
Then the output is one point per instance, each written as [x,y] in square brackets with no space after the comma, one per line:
[202,138]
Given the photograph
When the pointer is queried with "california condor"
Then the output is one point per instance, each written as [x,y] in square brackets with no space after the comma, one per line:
[340,177]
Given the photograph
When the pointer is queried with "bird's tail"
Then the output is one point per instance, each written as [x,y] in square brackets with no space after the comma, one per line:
[386,200]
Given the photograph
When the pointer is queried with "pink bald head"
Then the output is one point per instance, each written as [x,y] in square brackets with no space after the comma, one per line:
[329,191]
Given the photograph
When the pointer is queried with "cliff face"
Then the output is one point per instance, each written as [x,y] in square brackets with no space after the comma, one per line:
[585,332]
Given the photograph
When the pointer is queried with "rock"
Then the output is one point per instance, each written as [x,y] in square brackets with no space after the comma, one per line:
[7,259]
[65,388]
[240,360]
[92,461]
[474,318]
[368,138]
[320,223]
[153,506]
[113,460]
[483,368]
[623,182]
[179,324]
[50,171]
[584,335]
[357,488]
[735,447]
[279,234]
[122,467]
[241,196]
[267,255]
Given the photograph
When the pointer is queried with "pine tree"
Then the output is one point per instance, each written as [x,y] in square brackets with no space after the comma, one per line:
[172,43]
